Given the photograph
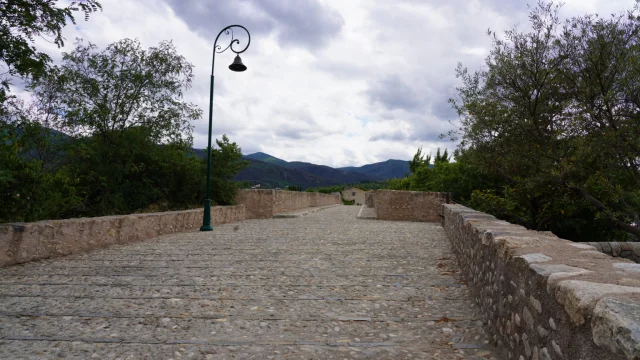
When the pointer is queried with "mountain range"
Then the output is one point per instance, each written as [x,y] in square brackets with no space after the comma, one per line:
[272,172]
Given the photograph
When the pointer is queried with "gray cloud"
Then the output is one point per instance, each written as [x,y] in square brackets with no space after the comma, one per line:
[342,69]
[305,23]
[392,136]
[439,104]
[296,123]
[296,132]
[371,82]
[422,130]
[393,93]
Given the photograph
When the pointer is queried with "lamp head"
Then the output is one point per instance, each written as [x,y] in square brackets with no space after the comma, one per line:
[237,65]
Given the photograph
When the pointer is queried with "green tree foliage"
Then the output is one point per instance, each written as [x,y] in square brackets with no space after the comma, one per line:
[29,190]
[419,160]
[460,178]
[226,163]
[554,116]
[369,185]
[118,139]
[399,184]
[21,21]
[327,189]
[103,93]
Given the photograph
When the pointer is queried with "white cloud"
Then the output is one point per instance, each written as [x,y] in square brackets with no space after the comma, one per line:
[332,82]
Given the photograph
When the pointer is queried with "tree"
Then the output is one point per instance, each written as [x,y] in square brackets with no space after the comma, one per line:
[419,160]
[117,139]
[555,116]
[603,84]
[102,93]
[29,190]
[226,162]
[130,127]
[23,20]
[444,157]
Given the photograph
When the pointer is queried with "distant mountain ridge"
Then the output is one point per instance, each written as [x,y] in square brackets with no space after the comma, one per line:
[270,171]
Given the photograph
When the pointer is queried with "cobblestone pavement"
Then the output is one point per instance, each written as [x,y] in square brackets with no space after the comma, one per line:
[323,286]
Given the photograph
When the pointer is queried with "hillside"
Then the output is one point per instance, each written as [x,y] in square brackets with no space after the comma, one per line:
[335,176]
[260,156]
[270,175]
[272,172]
[385,170]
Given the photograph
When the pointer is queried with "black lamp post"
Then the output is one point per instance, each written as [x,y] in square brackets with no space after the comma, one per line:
[236,66]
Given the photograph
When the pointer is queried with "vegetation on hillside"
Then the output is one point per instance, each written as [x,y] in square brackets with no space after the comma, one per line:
[107,132]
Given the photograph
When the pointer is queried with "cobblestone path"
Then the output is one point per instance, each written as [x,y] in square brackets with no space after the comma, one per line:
[323,286]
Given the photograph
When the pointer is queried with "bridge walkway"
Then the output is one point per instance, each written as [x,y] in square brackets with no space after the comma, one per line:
[322,286]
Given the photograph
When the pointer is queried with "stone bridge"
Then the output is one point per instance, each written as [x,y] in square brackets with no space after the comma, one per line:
[293,276]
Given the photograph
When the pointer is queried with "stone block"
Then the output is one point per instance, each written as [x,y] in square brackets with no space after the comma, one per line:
[615,249]
[548,269]
[616,326]
[7,251]
[627,267]
[626,246]
[535,258]
[587,246]
[580,297]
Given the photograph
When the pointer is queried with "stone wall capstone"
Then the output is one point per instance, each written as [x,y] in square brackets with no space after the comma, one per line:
[627,250]
[543,297]
[408,205]
[23,242]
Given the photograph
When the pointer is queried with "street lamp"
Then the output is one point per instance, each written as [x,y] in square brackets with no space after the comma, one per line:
[237,66]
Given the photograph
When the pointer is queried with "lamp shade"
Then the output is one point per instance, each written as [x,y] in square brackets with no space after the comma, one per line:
[237,65]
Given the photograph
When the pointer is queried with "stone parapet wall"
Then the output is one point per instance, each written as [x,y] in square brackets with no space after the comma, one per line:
[258,203]
[263,204]
[543,297]
[285,201]
[23,242]
[627,250]
[408,205]
[370,199]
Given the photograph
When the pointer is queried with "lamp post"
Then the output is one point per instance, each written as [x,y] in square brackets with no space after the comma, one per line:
[237,66]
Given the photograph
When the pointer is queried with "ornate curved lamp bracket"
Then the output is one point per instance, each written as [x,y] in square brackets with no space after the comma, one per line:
[233,43]
[229,31]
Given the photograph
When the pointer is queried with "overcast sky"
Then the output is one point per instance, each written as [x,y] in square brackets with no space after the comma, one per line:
[339,83]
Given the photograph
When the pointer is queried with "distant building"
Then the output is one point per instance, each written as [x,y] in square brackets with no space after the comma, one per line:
[354,193]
